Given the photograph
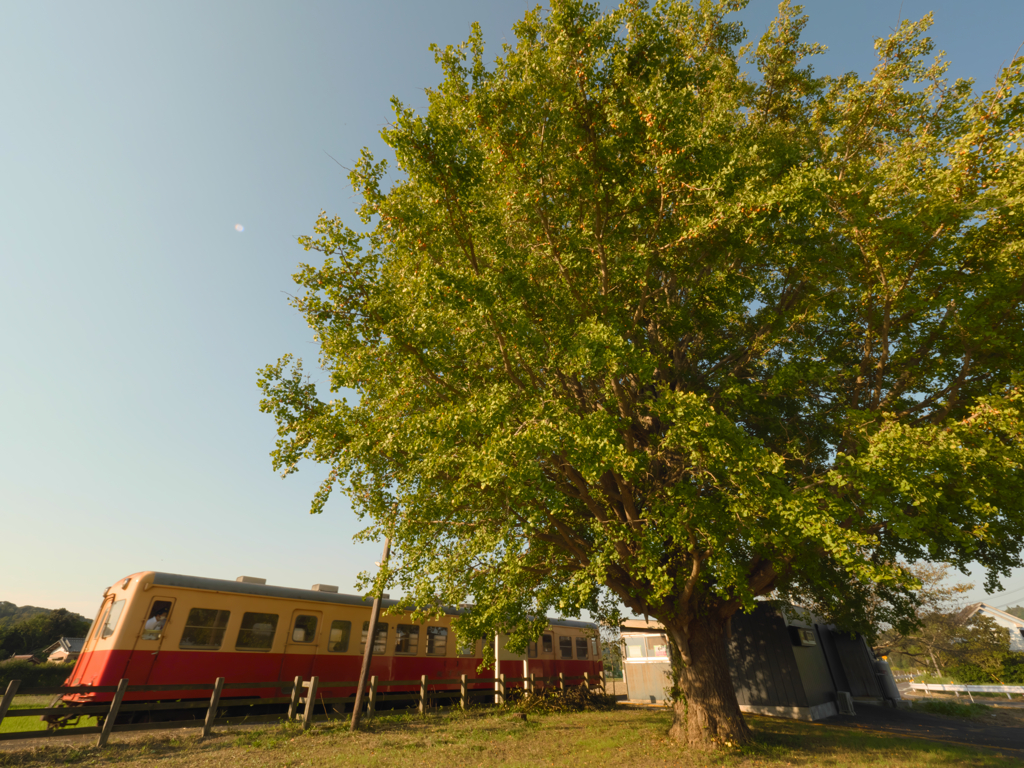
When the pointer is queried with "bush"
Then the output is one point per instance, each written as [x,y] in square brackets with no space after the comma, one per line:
[575,698]
[1011,673]
[33,675]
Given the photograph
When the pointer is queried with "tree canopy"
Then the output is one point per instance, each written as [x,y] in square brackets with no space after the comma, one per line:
[631,321]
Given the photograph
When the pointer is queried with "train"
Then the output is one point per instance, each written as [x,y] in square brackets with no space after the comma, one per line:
[156,628]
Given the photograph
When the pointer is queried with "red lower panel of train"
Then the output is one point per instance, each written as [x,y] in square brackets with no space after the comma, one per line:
[107,668]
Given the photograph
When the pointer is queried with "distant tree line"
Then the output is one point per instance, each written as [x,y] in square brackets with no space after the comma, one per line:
[34,634]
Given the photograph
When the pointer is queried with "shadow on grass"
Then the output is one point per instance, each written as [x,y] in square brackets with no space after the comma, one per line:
[800,743]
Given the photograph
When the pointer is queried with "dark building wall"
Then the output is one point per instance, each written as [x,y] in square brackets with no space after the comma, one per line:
[764,668]
[826,639]
[814,673]
[856,660]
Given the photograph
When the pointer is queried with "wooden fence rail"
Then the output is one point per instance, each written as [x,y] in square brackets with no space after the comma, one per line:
[302,694]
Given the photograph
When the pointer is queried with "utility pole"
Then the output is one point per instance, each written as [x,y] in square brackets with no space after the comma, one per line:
[371,633]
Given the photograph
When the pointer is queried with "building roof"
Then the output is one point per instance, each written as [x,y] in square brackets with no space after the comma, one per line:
[641,625]
[990,610]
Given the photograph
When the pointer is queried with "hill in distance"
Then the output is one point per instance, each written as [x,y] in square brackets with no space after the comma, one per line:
[11,614]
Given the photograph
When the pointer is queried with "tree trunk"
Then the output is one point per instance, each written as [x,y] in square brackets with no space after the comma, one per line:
[707,713]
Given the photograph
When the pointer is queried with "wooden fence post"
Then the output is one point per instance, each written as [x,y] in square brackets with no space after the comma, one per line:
[462,692]
[601,677]
[423,695]
[12,689]
[108,722]
[371,705]
[533,683]
[501,688]
[586,680]
[211,713]
[296,692]
[307,715]
[561,681]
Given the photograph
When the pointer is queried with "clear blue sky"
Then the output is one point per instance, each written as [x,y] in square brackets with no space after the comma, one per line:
[133,315]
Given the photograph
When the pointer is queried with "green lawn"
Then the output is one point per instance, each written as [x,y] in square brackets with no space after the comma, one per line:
[16,724]
[619,738]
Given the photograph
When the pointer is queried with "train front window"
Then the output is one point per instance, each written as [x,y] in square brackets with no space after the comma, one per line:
[159,612]
[204,629]
[257,632]
[340,633]
[581,647]
[546,644]
[380,637]
[304,630]
[594,650]
[112,617]
[407,639]
[564,647]
[437,641]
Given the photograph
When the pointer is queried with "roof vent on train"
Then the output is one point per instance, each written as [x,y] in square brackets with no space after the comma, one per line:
[251,580]
[324,588]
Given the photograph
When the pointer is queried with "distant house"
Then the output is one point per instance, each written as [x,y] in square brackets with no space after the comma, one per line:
[22,657]
[1011,623]
[65,650]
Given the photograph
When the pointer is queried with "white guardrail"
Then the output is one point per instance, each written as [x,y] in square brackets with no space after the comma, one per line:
[968,689]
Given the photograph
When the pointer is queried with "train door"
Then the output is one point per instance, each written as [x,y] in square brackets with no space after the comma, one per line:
[146,653]
[300,646]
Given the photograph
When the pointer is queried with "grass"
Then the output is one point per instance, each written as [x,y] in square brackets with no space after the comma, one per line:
[625,736]
[19,724]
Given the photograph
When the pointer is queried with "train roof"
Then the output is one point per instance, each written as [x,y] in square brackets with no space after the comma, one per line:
[293,593]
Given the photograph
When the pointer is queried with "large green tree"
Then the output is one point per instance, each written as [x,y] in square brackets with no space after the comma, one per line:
[630,319]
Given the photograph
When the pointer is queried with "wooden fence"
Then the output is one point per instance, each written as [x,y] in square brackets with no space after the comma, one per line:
[302,698]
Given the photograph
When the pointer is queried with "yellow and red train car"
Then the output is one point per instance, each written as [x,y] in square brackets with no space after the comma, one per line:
[169,629]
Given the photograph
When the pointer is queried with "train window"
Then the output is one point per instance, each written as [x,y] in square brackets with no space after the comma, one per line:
[407,639]
[304,630]
[204,629]
[531,650]
[257,631]
[467,648]
[112,617]
[594,650]
[380,640]
[158,615]
[581,647]
[546,644]
[437,641]
[564,647]
[340,632]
